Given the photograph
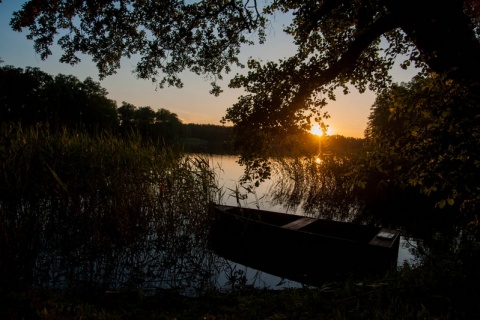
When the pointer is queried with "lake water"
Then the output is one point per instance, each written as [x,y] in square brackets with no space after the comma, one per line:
[229,173]
[168,248]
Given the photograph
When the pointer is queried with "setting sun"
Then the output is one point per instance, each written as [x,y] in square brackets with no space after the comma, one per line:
[317,130]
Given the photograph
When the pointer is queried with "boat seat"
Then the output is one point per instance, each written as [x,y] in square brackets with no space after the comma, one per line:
[385,238]
[299,223]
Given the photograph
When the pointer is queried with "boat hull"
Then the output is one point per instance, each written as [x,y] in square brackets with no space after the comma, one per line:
[305,250]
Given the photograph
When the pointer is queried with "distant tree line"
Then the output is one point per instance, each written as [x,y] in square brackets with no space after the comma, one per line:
[303,143]
[32,97]
[208,138]
[161,126]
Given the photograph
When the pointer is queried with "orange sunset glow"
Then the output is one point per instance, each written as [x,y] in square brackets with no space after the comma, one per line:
[193,103]
[317,130]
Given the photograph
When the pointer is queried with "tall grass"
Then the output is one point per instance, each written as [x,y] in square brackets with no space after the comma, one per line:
[327,188]
[78,212]
[103,213]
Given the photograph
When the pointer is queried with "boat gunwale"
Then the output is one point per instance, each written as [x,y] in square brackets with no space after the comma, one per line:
[226,209]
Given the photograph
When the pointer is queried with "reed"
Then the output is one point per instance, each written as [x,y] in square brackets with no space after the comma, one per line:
[82,212]
[327,188]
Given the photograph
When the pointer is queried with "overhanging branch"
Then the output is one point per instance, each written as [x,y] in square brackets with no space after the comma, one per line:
[347,61]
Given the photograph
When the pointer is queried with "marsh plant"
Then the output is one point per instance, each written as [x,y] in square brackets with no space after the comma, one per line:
[326,188]
[108,213]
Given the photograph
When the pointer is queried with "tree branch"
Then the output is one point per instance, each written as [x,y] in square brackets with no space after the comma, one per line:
[347,61]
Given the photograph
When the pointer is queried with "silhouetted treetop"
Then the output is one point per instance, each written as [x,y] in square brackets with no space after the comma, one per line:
[169,36]
[337,41]
[30,96]
[340,44]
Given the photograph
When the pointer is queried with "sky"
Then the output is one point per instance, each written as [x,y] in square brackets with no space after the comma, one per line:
[193,103]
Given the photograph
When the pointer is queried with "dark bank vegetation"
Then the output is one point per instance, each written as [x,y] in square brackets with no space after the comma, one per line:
[106,222]
[434,291]
[32,97]
[109,228]
[82,213]
[65,227]
[100,219]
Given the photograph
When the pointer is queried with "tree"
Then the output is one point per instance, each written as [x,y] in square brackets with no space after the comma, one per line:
[341,43]
[32,96]
[424,134]
[170,36]
[127,117]
[21,95]
[100,112]
[159,126]
[167,125]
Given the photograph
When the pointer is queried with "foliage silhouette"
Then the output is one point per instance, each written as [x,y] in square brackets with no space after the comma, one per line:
[340,44]
[423,134]
[31,96]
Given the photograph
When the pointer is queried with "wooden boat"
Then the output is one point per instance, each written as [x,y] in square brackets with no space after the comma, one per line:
[301,248]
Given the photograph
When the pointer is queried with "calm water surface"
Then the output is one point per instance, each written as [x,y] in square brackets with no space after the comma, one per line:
[229,173]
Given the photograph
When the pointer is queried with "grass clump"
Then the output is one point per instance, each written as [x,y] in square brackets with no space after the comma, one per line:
[103,213]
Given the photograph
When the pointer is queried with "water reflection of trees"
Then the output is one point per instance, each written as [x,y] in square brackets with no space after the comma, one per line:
[331,189]
[325,188]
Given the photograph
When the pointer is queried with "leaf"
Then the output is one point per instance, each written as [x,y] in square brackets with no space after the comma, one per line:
[441,203]
[57,178]
[450,201]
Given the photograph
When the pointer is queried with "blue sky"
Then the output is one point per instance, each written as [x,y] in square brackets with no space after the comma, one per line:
[192,103]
